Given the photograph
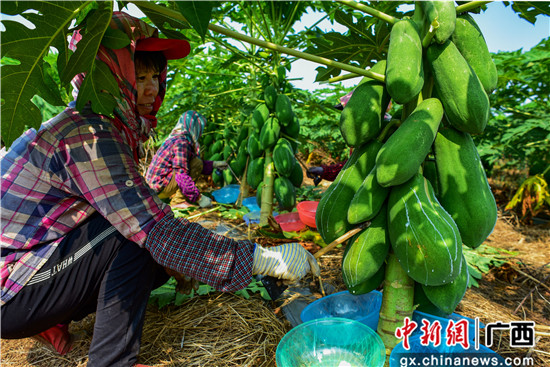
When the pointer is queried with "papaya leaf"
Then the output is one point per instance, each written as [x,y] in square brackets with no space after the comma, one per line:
[115,39]
[529,10]
[20,83]
[167,25]
[98,87]
[83,59]
[198,14]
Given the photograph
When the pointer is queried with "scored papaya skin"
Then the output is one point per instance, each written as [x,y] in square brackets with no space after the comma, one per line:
[423,236]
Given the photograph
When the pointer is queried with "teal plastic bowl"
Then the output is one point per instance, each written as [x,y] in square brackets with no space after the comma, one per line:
[443,355]
[331,342]
[364,308]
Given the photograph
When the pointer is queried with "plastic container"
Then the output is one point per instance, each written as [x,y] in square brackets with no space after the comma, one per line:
[307,210]
[364,308]
[251,204]
[418,316]
[290,222]
[254,217]
[331,342]
[456,355]
[227,194]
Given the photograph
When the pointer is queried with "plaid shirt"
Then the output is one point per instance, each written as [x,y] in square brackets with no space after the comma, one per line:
[53,179]
[173,156]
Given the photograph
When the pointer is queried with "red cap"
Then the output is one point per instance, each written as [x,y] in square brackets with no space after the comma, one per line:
[171,48]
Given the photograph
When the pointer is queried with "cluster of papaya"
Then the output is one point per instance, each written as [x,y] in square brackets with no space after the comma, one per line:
[228,145]
[275,128]
[418,180]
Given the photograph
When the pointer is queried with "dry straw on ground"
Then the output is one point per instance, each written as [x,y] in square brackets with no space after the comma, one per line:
[215,330]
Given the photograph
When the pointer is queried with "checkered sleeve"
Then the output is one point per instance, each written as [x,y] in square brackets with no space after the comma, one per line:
[201,254]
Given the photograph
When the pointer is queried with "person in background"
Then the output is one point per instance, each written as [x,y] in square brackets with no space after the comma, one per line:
[177,165]
[329,172]
[81,230]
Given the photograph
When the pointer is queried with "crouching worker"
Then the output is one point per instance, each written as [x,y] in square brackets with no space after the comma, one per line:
[82,231]
[177,165]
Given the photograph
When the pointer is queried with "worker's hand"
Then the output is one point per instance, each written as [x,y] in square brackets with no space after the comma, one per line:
[184,284]
[204,202]
[289,261]
[221,165]
[316,170]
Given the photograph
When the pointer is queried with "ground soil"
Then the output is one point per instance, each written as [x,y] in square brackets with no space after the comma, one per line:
[518,289]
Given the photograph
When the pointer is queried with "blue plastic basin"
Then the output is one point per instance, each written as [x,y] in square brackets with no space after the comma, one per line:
[227,194]
[251,204]
[364,308]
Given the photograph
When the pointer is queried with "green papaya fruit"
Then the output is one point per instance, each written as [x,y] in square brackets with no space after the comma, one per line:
[402,154]
[293,127]
[361,119]
[370,284]
[284,193]
[447,296]
[463,187]
[283,109]
[253,147]
[255,172]
[457,86]
[270,97]
[423,304]
[469,40]
[283,157]
[368,199]
[297,175]
[366,251]
[332,213]
[228,177]
[270,133]
[445,14]
[259,117]
[404,70]
[423,235]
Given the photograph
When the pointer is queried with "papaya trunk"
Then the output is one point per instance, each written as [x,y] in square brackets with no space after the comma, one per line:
[266,205]
[397,302]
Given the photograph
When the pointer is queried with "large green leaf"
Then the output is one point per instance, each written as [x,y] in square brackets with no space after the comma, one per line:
[198,14]
[29,46]
[529,10]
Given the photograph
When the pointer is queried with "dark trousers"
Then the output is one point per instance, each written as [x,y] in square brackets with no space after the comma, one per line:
[94,269]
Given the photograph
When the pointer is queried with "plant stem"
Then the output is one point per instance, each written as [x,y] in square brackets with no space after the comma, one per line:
[471,5]
[367,9]
[266,204]
[397,302]
[299,54]
[430,34]
[269,45]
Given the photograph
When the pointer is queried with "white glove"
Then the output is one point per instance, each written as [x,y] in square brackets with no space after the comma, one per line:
[289,261]
[204,202]
[221,165]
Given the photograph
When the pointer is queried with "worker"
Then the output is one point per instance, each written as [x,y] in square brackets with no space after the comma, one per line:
[83,232]
[177,164]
